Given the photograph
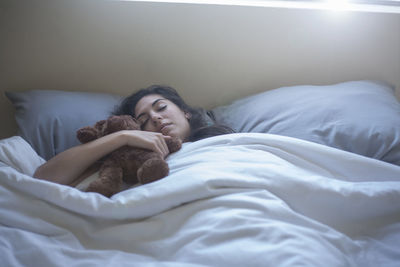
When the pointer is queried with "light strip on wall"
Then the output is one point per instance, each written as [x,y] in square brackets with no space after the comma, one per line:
[392,6]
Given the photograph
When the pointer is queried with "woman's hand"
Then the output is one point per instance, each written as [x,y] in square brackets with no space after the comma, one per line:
[66,167]
[148,140]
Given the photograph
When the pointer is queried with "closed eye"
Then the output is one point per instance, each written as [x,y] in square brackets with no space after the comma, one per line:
[162,108]
[143,121]
[143,124]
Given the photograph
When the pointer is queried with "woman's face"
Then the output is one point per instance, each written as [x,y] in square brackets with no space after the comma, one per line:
[158,114]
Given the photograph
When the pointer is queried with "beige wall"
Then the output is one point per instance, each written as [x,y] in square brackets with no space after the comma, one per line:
[212,54]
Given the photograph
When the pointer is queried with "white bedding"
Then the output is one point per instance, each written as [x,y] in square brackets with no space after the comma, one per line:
[233,200]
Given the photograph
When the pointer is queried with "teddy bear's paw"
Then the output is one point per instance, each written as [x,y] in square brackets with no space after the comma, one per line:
[152,170]
[174,144]
[103,188]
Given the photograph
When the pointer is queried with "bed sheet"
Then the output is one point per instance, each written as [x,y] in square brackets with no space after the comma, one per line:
[242,199]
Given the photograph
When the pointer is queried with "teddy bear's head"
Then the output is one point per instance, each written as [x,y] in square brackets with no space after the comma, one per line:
[108,126]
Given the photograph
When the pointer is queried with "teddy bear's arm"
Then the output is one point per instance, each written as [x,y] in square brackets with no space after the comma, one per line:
[86,134]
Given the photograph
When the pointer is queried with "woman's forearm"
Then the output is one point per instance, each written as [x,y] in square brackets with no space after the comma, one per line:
[65,167]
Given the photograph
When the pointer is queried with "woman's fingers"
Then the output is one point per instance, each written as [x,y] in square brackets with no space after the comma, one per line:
[162,146]
[149,140]
[158,144]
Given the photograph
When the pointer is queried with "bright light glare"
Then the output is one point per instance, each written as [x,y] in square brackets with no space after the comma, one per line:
[337,4]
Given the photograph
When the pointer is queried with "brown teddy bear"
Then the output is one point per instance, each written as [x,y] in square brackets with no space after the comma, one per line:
[128,164]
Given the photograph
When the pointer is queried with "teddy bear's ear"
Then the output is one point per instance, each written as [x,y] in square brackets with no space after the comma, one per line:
[119,123]
[99,125]
[130,122]
[87,134]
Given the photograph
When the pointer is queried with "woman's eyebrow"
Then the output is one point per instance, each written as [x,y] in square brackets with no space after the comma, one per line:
[153,104]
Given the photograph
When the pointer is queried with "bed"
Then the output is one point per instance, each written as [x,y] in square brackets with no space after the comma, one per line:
[310,178]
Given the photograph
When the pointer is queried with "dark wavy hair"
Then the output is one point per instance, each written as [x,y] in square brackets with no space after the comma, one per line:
[202,123]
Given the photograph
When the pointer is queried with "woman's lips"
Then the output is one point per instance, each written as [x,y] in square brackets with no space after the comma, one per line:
[165,128]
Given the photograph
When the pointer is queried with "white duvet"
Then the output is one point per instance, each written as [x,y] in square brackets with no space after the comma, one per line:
[233,200]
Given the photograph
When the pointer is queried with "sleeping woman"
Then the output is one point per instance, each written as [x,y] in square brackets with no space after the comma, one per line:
[161,113]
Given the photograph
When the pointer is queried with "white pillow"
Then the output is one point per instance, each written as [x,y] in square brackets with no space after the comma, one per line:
[49,119]
[362,117]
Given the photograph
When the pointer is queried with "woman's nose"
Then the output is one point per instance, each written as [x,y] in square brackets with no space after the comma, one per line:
[155,117]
